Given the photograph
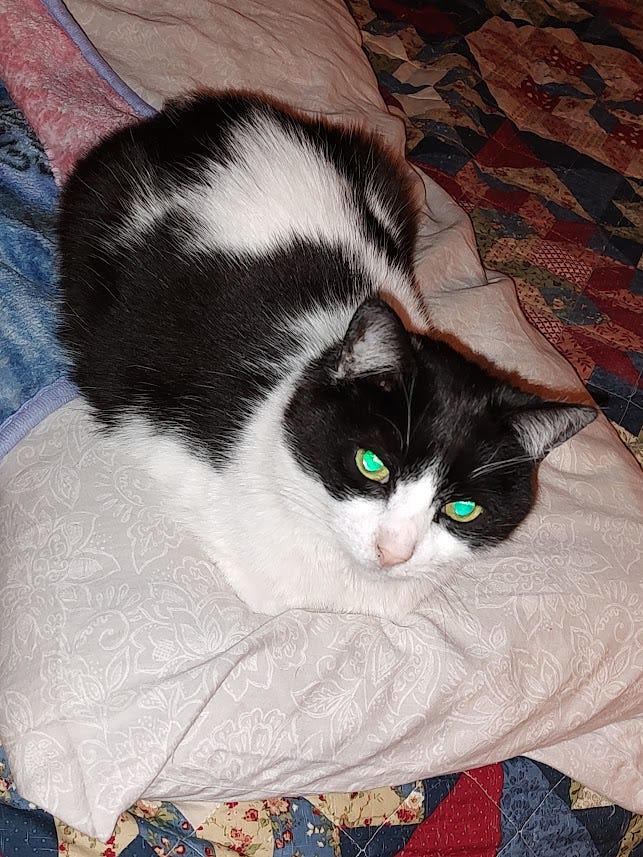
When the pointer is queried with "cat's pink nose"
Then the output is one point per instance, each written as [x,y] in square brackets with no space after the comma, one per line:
[389,555]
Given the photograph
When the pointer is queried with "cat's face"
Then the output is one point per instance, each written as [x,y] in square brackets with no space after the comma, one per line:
[424,456]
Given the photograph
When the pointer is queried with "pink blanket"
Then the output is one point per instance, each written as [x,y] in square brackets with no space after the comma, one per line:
[67,101]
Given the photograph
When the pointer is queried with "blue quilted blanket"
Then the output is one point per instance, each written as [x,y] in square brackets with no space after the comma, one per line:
[32,366]
[29,359]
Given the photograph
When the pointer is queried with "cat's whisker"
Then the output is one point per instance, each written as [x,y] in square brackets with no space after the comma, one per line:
[144,368]
[452,598]
[420,420]
[295,498]
[409,399]
[393,426]
[489,467]
[374,373]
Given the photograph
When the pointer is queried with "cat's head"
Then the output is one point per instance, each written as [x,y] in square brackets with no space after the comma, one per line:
[423,455]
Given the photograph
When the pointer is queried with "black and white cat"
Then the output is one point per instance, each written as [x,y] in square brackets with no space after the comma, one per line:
[237,291]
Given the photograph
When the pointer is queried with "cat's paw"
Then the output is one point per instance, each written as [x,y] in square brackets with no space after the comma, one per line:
[394,600]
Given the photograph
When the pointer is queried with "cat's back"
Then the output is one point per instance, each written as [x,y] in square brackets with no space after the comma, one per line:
[224,234]
[238,175]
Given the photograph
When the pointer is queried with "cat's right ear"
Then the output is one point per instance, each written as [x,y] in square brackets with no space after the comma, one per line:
[376,344]
[543,428]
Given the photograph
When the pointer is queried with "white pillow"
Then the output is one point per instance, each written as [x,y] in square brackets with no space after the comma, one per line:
[129,669]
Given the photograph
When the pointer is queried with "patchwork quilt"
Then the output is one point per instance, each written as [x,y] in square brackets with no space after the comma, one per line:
[531,116]
[518,808]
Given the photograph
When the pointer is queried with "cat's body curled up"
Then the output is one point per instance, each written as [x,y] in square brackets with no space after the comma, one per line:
[233,280]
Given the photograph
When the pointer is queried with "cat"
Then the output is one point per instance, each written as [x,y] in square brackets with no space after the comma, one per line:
[239,310]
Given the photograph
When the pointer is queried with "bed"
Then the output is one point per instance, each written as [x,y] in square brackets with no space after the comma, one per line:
[485,93]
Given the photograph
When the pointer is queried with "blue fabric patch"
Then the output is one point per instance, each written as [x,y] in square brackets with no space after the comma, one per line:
[536,820]
[30,358]
[23,834]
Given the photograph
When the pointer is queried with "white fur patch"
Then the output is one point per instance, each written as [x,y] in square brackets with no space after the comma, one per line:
[278,188]
[279,538]
[381,212]
[402,525]
[316,331]
[147,209]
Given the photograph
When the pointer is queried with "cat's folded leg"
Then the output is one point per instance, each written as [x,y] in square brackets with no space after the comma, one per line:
[394,599]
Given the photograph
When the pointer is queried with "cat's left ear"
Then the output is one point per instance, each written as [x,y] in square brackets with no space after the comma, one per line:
[543,427]
[376,343]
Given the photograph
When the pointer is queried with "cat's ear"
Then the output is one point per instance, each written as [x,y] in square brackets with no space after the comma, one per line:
[376,343]
[543,427]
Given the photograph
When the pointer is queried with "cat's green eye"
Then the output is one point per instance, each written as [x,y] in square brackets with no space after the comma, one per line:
[462,511]
[371,466]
